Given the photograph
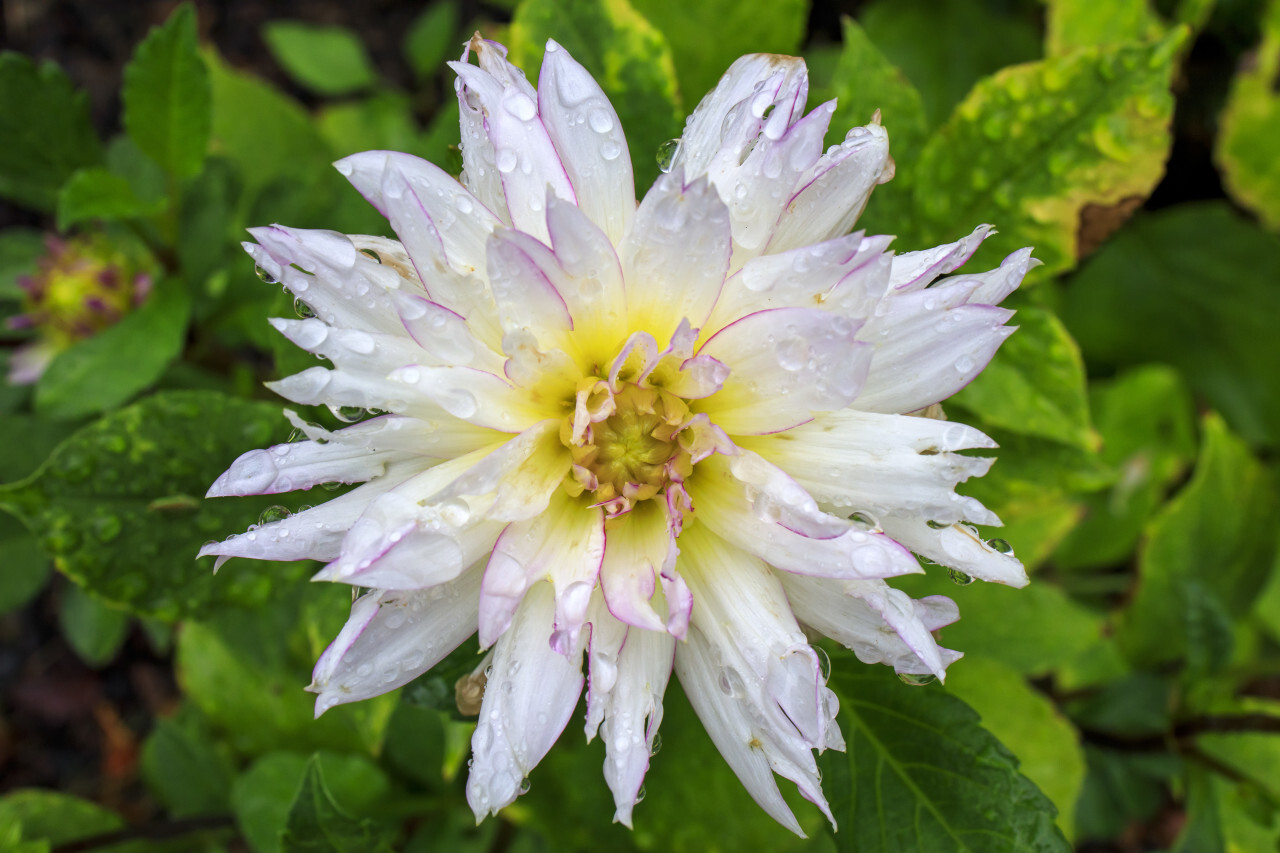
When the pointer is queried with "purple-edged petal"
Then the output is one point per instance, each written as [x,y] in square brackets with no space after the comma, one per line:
[522,275]
[526,160]
[873,463]
[565,544]
[528,700]
[956,546]
[475,396]
[830,202]
[393,637]
[756,506]
[879,623]
[917,270]
[586,132]
[786,364]
[640,547]
[928,345]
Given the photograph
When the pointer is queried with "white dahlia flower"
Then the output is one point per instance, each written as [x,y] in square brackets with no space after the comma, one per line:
[672,435]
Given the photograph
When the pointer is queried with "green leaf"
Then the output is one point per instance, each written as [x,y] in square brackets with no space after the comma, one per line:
[1071,25]
[629,57]
[246,669]
[415,743]
[1031,630]
[1208,553]
[326,60]
[264,794]
[55,817]
[1044,149]
[317,824]
[945,46]
[1198,276]
[432,39]
[1146,419]
[107,369]
[921,774]
[739,28]
[116,505]
[1249,126]
[863,82]
[20,248]
[94,630]
[1121,788]
[1035,385]
[1254,755]
[166,96]
[273,144]
[382,121]
[1027,722]
[185,767]
[96,193]
[26,568]
[46,130]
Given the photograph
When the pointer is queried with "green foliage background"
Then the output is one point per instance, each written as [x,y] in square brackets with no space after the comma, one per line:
[1132,690]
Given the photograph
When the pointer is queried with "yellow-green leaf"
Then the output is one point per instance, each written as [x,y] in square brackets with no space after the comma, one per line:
[1250,125]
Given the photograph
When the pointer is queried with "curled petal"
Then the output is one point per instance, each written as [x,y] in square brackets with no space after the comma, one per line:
[957,546]
[393,637]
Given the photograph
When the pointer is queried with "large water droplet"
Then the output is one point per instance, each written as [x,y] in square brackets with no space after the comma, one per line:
[600,121]
[348,414]
[303,310]
[521,106]
[273,513]
[913,680]
[1000,546]
[507,160]
[667,154]
[959,578]
[264,275]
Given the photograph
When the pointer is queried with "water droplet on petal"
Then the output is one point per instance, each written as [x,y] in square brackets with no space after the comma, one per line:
[731,683]
[959,578]
[303,310]
[600,121]
[656,745]
[667,154]
[273,513]
[507,160]
[264,275]
[913,680]
[524,786]
[1000,546]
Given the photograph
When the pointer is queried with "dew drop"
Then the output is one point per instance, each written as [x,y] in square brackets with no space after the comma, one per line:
[264,275]
[1000,546]
[656,745]
[824,663]
[273,513]
[959,578]
[610,150]
[667,154]
[507,160]
[348,414]
[303,310]
[524,786]
[731,683]
[332,486]
[600,121]
[640,795]
[964,364]
[913,680]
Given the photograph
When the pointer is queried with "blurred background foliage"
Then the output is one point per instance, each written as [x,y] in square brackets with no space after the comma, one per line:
[149,705]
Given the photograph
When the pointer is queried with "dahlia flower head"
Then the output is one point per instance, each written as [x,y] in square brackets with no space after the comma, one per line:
[617,440]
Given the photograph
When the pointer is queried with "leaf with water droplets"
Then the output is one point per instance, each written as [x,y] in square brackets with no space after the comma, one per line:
[1035,385]
[1250,125]
[1033,145]
[627,56]
[921,774]
[117,504]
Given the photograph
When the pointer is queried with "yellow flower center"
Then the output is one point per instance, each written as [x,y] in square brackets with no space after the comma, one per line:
[633,452]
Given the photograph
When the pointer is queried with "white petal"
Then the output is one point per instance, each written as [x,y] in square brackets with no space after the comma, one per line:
[847,275]
[392,638]
[786,364]
[298,465]
[632,711]
[517,480]
[316,533]
[958,547]
[523,278]
[917,270]
[324,270]
[480,172]
[353,350]
[753,504]
[445,336]
[591,282]
[434,216]
[472,395]
[760,93]
[829,203]
[529,698]
[1000,282]
[871,463]
[879,623]
[676,255]
[586,132]
[564,544]
[526,159]
[928,345]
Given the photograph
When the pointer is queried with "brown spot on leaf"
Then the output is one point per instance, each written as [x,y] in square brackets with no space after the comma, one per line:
[1099,221]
